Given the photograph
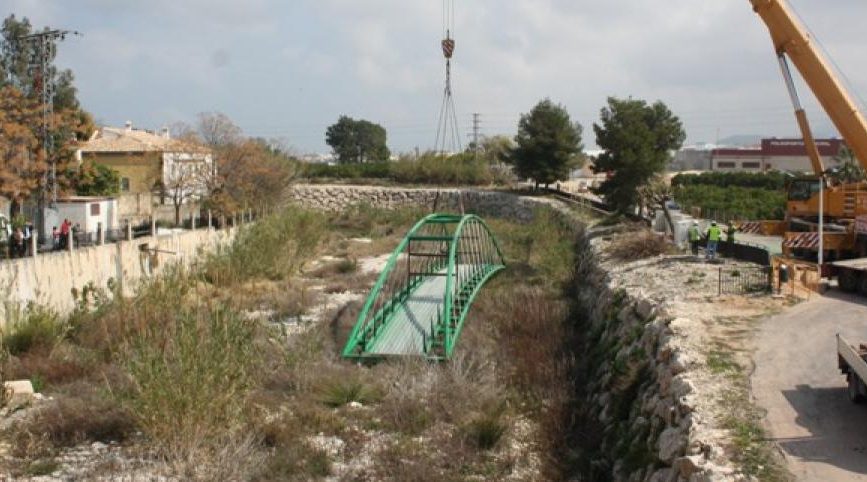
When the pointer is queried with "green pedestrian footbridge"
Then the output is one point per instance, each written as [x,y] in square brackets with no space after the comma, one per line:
[422,297]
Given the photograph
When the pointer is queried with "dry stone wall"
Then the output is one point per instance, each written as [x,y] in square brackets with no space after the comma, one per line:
[484,203]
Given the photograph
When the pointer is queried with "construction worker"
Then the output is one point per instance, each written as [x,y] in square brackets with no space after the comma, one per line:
[730,234]
[713,237]
[694,237]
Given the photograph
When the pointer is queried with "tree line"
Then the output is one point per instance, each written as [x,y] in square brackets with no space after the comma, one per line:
[637,139]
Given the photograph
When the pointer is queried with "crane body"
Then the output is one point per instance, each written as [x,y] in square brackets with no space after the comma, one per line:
[843,206]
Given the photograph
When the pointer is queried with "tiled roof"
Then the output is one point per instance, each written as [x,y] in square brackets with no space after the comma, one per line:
[112,139]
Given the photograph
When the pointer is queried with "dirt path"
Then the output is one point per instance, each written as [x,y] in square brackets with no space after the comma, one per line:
[822,434]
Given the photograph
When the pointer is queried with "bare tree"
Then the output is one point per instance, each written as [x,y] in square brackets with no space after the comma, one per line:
[655,194]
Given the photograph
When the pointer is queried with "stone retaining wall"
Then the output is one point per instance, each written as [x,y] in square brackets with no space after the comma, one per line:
[483,203]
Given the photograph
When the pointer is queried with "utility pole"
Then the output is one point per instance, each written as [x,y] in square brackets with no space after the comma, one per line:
[43,80]
[477,122]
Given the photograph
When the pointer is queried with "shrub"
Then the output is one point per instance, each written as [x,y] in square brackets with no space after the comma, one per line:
[485,430]
[367,170]
[459,169]
[191,377]
[773,181]
[80,414]
[338,393]
[33,327]
[272,248]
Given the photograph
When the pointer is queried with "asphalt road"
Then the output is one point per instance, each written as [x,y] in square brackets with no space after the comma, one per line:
[821,433]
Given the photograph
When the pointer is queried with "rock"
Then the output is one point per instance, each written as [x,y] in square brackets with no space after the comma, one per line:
[98,446]
[663,475]
[19,393]
[672,442]
[354,404]
[681,387]
[644,308]
[679,362]
[688,466]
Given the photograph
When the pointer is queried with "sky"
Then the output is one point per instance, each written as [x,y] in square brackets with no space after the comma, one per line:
[288,69]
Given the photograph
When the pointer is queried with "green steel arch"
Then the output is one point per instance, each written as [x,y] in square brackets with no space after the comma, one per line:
[420,300]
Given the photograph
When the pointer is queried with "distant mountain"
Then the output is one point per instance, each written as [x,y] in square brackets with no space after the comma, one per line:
[743,140]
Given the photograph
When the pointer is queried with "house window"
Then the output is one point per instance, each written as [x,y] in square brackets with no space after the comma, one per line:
[124,184]
[725,165]
[94,209]
[751,165]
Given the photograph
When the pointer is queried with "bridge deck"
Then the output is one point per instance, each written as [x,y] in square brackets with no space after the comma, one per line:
[413,321]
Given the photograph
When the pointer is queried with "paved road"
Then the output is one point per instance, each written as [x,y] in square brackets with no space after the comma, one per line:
[822,434]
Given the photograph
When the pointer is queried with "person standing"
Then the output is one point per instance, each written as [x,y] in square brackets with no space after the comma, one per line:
[713,237]
[694,237]
[28,233]
[17,243]
[64,233]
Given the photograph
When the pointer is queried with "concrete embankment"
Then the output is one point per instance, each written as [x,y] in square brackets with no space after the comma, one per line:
[50,279]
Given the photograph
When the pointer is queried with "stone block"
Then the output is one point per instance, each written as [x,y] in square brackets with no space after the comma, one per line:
[19,393]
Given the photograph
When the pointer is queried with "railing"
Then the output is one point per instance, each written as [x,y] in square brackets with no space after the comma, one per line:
[81,239]
[460,248]
[423,252]
[744,280]
[475,255]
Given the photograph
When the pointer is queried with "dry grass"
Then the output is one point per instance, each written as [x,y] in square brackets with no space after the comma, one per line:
[639,245]
[217,397]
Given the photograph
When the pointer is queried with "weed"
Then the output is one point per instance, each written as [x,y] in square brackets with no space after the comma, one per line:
[41,467]
[342,392]
[191,376]
[346,266]
[80,414]
[33,327]
[485,430]
[722,362]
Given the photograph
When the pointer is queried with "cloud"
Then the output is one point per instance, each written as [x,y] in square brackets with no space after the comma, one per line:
[290,68]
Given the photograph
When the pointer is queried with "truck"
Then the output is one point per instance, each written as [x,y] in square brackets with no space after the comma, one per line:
[851,361]
[841,206]
[812,202]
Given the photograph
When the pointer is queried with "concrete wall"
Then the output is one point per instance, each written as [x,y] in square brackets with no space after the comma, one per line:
[50,278]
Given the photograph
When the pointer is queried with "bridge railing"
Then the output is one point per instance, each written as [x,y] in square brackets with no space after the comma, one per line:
[424,252]
[475,256]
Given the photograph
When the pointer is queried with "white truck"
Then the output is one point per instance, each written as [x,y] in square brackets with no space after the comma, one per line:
[851,361]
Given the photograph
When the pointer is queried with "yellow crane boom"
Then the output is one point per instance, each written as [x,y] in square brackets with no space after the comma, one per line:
[791,39]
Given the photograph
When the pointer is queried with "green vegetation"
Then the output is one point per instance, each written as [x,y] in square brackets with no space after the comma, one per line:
[727,203]
[273,248]
[772,181]
[637,140]
[455,170]
[97,180]
[34,327]
[733,195]
[357,141]
[548,145]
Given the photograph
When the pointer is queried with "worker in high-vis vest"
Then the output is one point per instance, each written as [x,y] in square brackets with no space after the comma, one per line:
[694,237]
[713,236]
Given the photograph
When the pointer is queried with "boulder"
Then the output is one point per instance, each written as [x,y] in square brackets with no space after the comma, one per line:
[19,393]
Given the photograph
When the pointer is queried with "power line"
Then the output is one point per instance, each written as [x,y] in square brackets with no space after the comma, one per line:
[40,67]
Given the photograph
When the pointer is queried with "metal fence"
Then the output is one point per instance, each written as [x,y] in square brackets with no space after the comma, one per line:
[744,280]
[746,252]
